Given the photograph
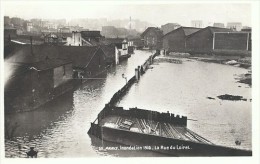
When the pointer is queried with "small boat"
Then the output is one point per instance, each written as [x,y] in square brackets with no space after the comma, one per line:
[155,131]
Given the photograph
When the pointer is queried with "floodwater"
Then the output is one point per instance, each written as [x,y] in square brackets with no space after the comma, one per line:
[59,129]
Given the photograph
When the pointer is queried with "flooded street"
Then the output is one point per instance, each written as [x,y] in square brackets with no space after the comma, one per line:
[59,129]
[184,89]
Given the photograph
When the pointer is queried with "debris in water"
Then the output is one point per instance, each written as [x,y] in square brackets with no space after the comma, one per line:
[211,98]
[231,97]
[238,142]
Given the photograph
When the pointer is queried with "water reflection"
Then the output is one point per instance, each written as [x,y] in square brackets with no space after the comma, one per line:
[183,89]
[59,129]
[34,125]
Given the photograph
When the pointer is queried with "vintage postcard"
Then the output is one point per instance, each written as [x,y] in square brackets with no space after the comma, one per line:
[123,79]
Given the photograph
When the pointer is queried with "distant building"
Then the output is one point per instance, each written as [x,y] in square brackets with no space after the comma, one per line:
[75,39]
[235,26]
[109,31]
[91,37]
[202,40]
[122,32]
[37,22]
[49,25]
[169,27]
[175,41]
[220,25]
[152,38]
[29,26]
[55,39]
[17,21]
[84,38]
[77,28]
[64,30]
[196,23]
[10,33]
[246,28]
[7,20]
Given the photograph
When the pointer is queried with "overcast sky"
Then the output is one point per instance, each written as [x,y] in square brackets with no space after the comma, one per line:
[157,14]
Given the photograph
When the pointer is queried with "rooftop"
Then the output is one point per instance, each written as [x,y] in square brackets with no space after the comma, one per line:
[156,29]
[85,34]
[109,50]
[187,30]
[108,41]
[79,55]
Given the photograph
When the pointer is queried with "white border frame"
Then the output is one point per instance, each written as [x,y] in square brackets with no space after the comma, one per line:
[213,160]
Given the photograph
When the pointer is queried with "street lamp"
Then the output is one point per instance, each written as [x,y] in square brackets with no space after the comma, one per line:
[123,76]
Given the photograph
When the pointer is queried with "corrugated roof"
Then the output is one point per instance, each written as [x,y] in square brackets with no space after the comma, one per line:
[212,30]
[186,30]
[190,30]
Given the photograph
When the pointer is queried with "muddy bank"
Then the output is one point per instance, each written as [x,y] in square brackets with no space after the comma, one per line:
[245,78]
[237,61]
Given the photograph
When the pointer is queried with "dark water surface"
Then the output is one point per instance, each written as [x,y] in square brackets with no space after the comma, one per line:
[59,129]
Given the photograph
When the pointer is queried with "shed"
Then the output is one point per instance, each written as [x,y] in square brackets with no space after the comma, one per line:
[175,41]
[152,38]
[202,40]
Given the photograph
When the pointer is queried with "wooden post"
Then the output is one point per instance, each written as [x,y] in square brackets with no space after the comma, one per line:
[136,74]
[247,41]
[213,41]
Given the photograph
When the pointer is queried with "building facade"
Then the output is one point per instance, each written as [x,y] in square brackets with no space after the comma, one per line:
[202,40]
[196,23]
[152,38]
[75,39]
[235,26]
[232,41]
[175,41]
[220,25]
